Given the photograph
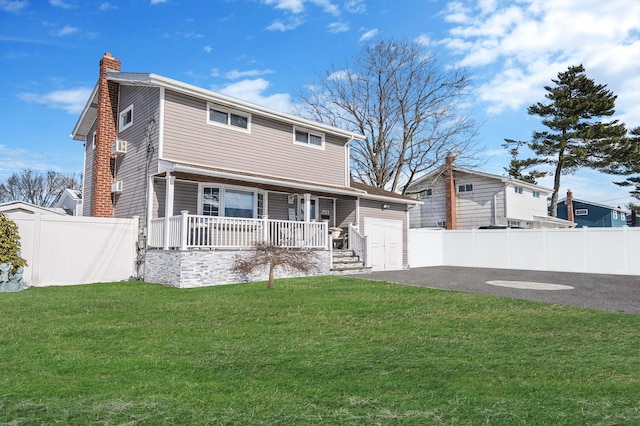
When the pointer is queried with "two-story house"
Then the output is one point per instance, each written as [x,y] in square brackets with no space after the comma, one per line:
[590,214]
[207,171]
[458,198]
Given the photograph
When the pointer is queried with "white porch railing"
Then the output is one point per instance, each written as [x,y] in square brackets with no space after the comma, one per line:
[358,243]
[193,231]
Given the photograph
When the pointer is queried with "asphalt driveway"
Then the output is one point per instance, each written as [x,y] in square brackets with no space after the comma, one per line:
[618,293]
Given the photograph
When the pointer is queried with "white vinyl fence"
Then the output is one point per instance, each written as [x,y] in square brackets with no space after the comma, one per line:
[62,250]
[589,250]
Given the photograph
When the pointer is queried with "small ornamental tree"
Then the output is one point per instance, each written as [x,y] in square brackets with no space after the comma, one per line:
[10,244]
[272,257]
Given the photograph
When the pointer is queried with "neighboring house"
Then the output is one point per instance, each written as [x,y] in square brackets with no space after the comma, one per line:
[70,200]
[457,198]
[592,215]
[204,170]
[12,207]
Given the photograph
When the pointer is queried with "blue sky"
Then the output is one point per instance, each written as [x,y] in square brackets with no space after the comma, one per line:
[264,51]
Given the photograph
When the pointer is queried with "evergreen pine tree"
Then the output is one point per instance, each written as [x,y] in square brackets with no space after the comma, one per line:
[575,135]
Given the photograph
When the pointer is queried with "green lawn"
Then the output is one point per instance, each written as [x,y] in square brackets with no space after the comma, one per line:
[324,350]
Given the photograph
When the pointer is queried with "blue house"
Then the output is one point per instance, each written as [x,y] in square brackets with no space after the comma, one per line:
[593,215]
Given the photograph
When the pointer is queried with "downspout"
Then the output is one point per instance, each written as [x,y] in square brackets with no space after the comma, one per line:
[450,191]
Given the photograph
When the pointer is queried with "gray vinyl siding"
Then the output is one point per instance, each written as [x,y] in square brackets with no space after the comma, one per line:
[278,208]
[477,208]
[267,150]
[484,206]
[373,209]
[87,178]
[185,197]
[345,213]
[131,168]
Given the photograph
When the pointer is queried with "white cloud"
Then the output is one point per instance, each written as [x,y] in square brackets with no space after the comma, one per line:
[298,6]
[369,35]
[107,6]
[207,49]
[65,31]
[355,6]
[72,100]
[12,6]
[423,40]
[291,24]
[60,3]
[158,1]
[338,27]
[253,91]
[339,75]
[523,44]
[235,74]
[293,6]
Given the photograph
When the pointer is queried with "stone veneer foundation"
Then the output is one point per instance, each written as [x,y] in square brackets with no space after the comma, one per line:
[201,268]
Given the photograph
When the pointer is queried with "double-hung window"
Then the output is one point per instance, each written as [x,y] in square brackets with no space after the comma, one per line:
[306,137]
[125,119]
[518,189]
[225,117]
[231,202]
[468,187]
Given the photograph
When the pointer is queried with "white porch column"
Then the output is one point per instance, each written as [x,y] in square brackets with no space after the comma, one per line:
[307,207]
[149,211]
[168,206]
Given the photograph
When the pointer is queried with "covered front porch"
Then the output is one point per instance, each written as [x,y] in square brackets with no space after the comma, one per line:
[215,219]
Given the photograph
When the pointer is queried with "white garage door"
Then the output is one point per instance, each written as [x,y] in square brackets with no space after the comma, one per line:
[385,243]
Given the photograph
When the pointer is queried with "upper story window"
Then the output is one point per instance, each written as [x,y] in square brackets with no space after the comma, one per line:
[126,118]
[518,189]
[468,187]
[623,216]
[306,137]
[582,212]
[615,214]
[225,117]
[93,140]
[426,193]
[536,194]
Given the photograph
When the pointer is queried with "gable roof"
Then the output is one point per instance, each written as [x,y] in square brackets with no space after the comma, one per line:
[89,113]
[432,177]
[591,203]
[24,207]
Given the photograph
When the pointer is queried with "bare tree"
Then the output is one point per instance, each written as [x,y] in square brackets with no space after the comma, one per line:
[271,256]
[406,105]
[41,189]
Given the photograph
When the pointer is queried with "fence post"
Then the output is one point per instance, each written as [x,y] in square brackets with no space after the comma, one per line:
[184,229]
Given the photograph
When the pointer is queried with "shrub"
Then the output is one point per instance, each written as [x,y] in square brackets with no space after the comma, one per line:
[10,244]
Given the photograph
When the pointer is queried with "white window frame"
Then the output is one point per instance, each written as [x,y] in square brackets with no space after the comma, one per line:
[581,212]
[615,214]
[121,124]
[623,216]
[229,112]
[518,189]
[309,134]
[426,193]
[536,194]
[259,199]
[93,140]
[464,188]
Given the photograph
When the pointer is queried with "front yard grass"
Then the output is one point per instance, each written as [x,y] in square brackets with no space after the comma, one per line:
[323,350]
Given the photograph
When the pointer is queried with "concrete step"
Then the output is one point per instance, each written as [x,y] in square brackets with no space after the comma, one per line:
[349,271]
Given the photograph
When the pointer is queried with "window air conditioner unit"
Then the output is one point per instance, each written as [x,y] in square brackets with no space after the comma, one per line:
[116,187]
[119,147]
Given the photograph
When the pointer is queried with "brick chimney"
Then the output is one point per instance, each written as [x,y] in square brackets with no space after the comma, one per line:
[450,192]
[570,215]
[106,133]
